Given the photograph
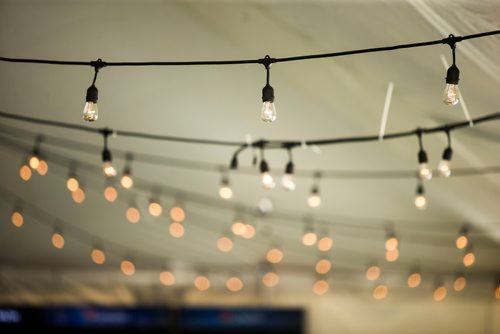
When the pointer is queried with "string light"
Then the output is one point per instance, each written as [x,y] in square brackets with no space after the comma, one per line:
[249,232]
[98,256]
[34,159]
[225,191]
[154,208]
[420,200]
[325,243]
[268,112]
[380,292]
[392,255]
[234,284]
[424,171]
[462,239]
[320,287]
[287,181]
[202,283]
[225,244]
[110,193]
[373,273]
[107,159]
[43,167]
[309,238]
[497,291]
[126,180]
[57,240]
[440,293]
[459,283]
[177,214]
[270,279]
[451,94]
[274,255]
[265,175]
[78,195]
[167,278]
[72,182]
[444,164]
[238,227]
[133,214]
[391,242]
[469,257]
[314,199]
[414,279]
[323,266]
[127,267]
[176,229]
[17,218]
[25,172]
[90,113]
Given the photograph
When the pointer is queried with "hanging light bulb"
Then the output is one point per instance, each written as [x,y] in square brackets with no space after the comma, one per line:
[107,165]
[391,242]
[497,291]
[17,218]
[127,267]
[440,293]
[154,208]
[249,232]
[133,214]
[274,255]
[238,227]
[451,94]
[314,199]
[420,200]
[202,282]
[462,238]
[176,230]
[469,257]
[270,279]
[110,193]
[323,266]
[321,287]
[268,111]
[34,159]
[325,244]
[373,273]
[234,284]
[43,167]
[126,180]
[25,172]
[287,181]
[444,164]
[414,279]
[225,191]
[98,256]
[309,238]
[167,278]
[177,214]
[392,255]
[78,195]
[225,244]
[57,240]
[424,171]
[265,175]
[72,182]
[90,113]
[459,283]
[380,292]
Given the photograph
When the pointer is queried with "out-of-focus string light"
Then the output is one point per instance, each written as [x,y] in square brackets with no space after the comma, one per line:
[325,243]
[444,165]
[177,214]
[451,94]
[391,242]
[234,284]
[270,278]
[414,279]
[127,267]
[309,237]
[462,239]
[107,159]
[469,257]
[133,214]
[420,199]
[25,171]
[57,239]
[265,174]
[314,199]
[127,181]
[320,286]
[424,172]
[274,255]
[497,291]
[17,218]
[167,277]
[176,230]
[78,195]
[202,282]
[380,292]
[225,244]
[238,227]
[392,255]
[440,292]
[110,193]
[154,207]
[268,111]
[43,167]
[225,191]
[323,266]
[97,255]
[249,232]
[373,273]
[459,283]
[287,181]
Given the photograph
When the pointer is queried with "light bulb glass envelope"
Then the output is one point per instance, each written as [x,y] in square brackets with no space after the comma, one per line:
[268,112]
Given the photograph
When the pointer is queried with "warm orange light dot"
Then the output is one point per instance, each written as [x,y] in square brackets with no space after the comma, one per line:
[72,184]
[270,279]
[127,267]
[392,256]
[202,283]
[238,228]
[323,266]
[461,242]
[43,168]
[177,214]
[34,162]
[380,292]
[321,287]
[224,244]
[373,273]
[459,283]
[497,292]
[325,244]
[133,215]
[309,238]
[234,284]
[391,244]
[126,181]
[78,195]
[155,209]
[110,194]
[25,173]
[469,259]
[17,219]
[440,293]
[167,278]
[249,231]
[57,240]
[274,255]
[176,230]
[98,256]
[414,280]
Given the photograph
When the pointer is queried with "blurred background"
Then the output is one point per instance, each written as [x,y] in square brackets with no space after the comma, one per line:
[193,247]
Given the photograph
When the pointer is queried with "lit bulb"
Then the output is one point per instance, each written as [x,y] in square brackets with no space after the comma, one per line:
[459,284]
[497,292]
[274,255]
[127,267]
[133,215]
[314,199]
[78,195]
[25,172]
[234,284]
[176,230]
[57,240]
[268,112]
[444,168]
[373,273]
[380,292]
[90,113]
[72,184]
[440,293]
[392,255]
[420,200]
[325,244]
[249,231]
[238,228]
[391,243]
[43,167]
[309,238]
[98,256]
[414,280]
[154,208]
[225,191]
[287,182]
[110,194]
[127,181]
[270,279]
[323,266]
[267,180]
[469,258]
[321,287]
[177,214]
[17,219]
[461,241]
[224,244]
[202,283]
[108,169]
[167,278]
[34,162]
[424,171]
[451,95]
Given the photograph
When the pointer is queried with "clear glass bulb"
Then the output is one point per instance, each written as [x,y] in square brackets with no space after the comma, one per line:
[267,180]
[314,200]
[451,95]
[420,202]
[127,181]
[225,192]
[287,182]
[268,112]
[90,111]
[424,171]
[444,168]
[108,169]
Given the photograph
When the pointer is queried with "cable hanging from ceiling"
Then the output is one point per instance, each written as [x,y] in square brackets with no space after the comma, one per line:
[268,111]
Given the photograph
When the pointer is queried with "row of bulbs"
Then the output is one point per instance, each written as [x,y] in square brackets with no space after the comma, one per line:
[451,95]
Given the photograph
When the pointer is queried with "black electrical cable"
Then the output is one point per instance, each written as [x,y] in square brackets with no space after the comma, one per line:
[449,40]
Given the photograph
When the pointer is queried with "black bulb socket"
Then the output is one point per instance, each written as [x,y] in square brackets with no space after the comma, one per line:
[264,167]
[92,94]
[447,154]
[453,75]
[268,93]
[106,155]
[234,163]
[315,190]
[422,157]
[289,169]
[420,190]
